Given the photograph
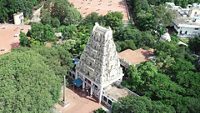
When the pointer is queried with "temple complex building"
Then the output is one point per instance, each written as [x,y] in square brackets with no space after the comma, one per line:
[98,70]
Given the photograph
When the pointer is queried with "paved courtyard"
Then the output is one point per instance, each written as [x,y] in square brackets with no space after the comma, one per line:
[79,102]
[101,7]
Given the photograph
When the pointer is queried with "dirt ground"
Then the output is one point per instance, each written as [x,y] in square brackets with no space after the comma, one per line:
[78,102]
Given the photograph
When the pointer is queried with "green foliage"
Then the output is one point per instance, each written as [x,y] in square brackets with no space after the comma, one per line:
[100,110]
[42,33]
[65,12]
[69,31]
[28,85]
[58,58]
[194,45]
[113,19]
[132,38]
[145,20]
[24,41]
[55,22]
[182,3]
[9,7]
[92,18]
[172,89]
[46,17]
[135,104]
[78,35]
[147,17]
[140,77]
[127,44]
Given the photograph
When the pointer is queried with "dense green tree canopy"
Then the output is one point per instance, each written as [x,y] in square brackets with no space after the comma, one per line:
[42,33]
[194,45]
[65,12]
[135,104]
[24,41]
[182,3]
[9,7]
[28,85]
[114,20]
[148,17]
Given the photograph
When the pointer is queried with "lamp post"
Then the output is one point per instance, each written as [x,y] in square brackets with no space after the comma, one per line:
[64,102]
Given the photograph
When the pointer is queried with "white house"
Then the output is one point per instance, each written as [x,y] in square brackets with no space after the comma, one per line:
[187,22]
[18,18]
[186,28]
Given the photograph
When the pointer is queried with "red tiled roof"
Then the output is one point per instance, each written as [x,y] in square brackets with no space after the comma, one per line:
[101,7]
[136,56]
[9,36]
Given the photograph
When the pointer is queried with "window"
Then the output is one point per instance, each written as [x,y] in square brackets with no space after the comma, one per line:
[95,86]
[185,32]
[110,102]
[104,99]
[196,28]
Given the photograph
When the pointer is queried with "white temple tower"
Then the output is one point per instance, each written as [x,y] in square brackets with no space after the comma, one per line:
[99,65]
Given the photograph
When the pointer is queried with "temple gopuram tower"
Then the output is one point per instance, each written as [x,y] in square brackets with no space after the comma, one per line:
[99,65]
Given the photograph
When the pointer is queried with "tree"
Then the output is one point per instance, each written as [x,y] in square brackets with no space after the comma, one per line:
[141,77]
[100,110]
[46,17]
[136,104]
[24,41]
[55,22]
[57,58]
[194,45]
[127,44]
[69,31]
[113,19]
[42,32]
[145,20]
[163,15]
[28,85]
[9,7]
[65,12]
[92,18]
[132,104]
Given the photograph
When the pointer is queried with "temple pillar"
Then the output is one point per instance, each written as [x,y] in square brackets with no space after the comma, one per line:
[83,85]
[100,95]
[76,75]
[91,90]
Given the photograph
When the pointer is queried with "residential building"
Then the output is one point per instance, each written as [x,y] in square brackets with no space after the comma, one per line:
[18,18]
[98,70]
[187,21]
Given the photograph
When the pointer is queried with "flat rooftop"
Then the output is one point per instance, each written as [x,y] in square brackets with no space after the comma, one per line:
[136,56]
[116,92]
[101,7]
[9,36]
[186,21]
